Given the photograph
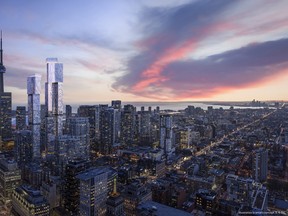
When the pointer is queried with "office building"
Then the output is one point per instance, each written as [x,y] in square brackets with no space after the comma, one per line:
[10,177]
[5,103]
[260,165]
[20,118]
[93,192]
[34,112]
[27,201]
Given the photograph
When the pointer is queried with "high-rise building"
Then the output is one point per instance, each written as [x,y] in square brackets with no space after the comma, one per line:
[260,165]
[23,147]
[107,130]
[116,104]
[28,201]
[10,177]
[145,128]
[54,103]
[57,107]
[68,112]
[20,118]
[43,128]
[34,112]
[5,103]
[166,133]
[93,192]
[128,121]
[92,113]
[71,195]
[79,127]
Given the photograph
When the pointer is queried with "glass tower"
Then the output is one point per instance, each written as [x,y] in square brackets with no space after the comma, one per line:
[34,112]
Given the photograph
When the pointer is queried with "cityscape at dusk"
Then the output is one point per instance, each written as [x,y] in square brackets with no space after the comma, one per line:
[150,50]
[143,108]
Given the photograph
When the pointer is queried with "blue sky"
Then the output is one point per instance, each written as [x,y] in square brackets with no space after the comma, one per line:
[149,50]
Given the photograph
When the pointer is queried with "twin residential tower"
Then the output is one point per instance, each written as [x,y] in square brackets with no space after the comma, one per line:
[53,108]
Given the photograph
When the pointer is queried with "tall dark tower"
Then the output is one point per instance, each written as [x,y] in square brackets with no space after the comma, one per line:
[5,103]
[2,68]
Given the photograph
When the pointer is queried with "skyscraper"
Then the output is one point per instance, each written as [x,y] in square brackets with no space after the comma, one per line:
[128,125]
[71,194]
[260,165]
[54,103]
[92,113]
[145,128]
[166,133]
[34,112]
[68,112]
[5,102]
[107,130]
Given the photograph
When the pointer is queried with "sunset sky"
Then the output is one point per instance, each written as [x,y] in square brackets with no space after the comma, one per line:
[149,50]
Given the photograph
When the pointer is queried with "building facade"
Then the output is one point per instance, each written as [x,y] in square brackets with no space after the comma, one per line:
[27,201]
[20,118]
[54,103]
[93,192]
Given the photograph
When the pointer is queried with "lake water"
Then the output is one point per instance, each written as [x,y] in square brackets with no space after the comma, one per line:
[169,105]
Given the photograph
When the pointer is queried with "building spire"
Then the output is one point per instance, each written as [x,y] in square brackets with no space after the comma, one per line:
[114,193]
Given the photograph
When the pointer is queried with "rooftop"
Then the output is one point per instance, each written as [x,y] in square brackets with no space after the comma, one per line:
[160,209]
[91,173]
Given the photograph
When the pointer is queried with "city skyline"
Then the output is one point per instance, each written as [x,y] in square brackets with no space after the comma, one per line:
[157,51]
